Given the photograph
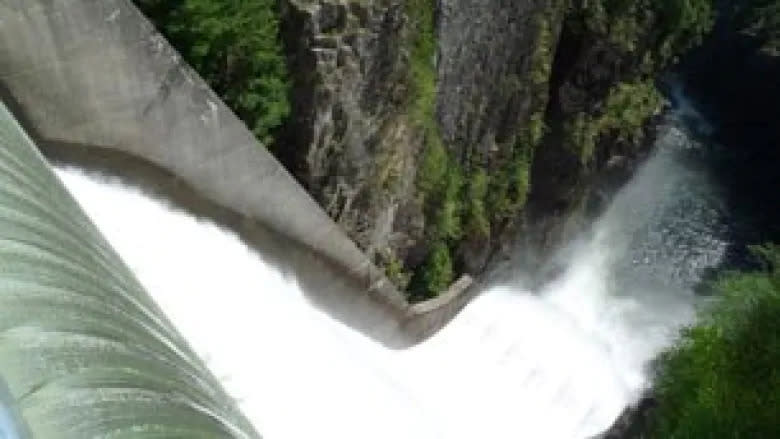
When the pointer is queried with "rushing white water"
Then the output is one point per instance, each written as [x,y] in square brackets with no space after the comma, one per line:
[562,363]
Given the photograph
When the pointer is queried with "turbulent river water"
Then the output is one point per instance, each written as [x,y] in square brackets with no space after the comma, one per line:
[559,362]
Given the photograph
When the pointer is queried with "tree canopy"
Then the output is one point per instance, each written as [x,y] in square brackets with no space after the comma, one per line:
[235,46]
[722,380]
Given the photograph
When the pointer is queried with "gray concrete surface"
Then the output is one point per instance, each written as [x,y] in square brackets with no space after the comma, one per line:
[95,73]
[84,352]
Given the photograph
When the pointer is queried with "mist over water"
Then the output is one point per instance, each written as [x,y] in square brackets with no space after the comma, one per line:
[562,362]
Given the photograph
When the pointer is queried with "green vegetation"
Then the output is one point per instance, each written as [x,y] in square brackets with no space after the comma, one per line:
[440,183]
[436,274]
[627,107]
[653,32]
[684,25]
[394,269]
[477,222]
[625,111]
[440,177]
[422,73]
[660,28]
[235,47]
[510,184]
[460,202]
[541,59]
[509,187]
[722,380]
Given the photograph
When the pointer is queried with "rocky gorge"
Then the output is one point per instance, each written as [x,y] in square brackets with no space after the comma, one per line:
[330,177]
[435,133]
[444,136]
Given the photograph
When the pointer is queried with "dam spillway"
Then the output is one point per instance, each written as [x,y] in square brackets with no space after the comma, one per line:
[97,78]
[559,363]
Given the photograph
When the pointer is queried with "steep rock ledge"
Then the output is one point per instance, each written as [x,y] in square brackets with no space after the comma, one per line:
[568,183]
[348,140]
[536,103]
[494,67]
[486,52]
[603,106]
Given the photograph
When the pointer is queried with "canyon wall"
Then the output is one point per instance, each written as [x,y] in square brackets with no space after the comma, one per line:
[438,133]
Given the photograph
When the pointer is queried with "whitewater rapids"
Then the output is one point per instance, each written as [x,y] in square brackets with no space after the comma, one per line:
[560,363]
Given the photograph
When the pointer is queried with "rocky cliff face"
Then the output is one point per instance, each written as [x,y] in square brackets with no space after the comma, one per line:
[531,97]
[349,141]
[494,66]
[571,180]
[488,53]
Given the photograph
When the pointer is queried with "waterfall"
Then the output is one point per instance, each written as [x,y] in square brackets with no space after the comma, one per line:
[561,362]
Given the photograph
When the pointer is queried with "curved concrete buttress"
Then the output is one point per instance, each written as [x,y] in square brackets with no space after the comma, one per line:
[96,73]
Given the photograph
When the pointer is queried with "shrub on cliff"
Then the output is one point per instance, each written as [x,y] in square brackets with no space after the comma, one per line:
[647,36]
[663,29]
[722,380]
[235,47]
[436,275]
[623,114]
[440,178]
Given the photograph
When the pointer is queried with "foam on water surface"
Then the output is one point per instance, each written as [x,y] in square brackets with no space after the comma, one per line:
[560,363]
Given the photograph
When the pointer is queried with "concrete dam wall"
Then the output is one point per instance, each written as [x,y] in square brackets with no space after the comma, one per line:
[84,352]
[96,76]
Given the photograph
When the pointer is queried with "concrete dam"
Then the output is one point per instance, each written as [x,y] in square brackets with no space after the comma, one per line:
[168,278]
[80,336]
[88,80]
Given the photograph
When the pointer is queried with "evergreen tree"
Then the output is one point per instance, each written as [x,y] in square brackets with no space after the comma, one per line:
[235,47]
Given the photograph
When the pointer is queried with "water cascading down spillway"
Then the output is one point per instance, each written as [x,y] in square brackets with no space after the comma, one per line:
[84,352]
[561,363]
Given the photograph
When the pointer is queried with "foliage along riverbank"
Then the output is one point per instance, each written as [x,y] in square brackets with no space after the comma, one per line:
[722,380]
